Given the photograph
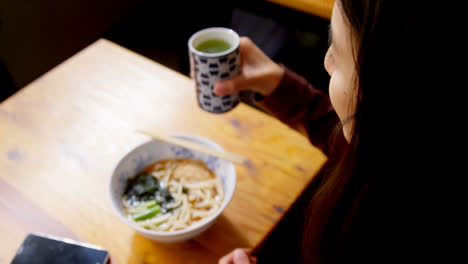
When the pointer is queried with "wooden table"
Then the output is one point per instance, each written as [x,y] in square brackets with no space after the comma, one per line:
[63,134]
[321,8]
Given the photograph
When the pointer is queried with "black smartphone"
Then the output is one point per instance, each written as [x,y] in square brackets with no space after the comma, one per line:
[42,249]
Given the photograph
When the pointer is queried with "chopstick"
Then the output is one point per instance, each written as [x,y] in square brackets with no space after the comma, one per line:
[193,146]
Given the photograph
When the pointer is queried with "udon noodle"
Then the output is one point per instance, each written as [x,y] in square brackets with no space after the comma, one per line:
[173,195]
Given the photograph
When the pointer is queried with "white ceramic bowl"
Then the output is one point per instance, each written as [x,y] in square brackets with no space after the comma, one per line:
[155,150]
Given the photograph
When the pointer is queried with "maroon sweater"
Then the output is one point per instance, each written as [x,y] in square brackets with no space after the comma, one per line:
[301,106]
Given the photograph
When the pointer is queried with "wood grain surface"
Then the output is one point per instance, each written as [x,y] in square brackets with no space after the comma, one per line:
[321,8]
[63,134]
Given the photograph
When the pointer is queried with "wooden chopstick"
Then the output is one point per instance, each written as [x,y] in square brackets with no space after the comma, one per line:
[193,146]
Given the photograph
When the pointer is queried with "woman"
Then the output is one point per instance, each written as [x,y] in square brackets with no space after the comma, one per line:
[384,86]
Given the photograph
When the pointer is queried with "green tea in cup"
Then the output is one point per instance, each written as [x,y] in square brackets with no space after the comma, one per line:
[213,46]
[214,56]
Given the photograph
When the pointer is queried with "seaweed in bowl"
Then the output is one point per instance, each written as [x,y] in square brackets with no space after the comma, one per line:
[148,194]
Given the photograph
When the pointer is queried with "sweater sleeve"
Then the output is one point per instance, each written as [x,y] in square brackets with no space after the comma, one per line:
[301,106]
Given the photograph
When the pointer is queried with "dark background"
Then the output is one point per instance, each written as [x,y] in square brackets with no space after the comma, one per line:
[37,35]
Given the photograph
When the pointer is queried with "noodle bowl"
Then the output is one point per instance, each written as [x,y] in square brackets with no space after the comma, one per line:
[172,195]
[151,200]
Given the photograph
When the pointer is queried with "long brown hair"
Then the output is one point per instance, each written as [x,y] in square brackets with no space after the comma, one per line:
[351,214]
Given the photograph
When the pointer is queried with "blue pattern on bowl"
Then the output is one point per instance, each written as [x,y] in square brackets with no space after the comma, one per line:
[182,152]
[212,162]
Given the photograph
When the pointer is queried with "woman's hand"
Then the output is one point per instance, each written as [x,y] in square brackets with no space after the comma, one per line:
[258,72]
[239,256]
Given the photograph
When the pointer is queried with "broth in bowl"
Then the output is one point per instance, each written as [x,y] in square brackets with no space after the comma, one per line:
[172,195]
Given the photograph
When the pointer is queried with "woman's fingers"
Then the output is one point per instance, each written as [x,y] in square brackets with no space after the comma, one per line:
[236,84]
[226,259]
[238,256]
[258,72]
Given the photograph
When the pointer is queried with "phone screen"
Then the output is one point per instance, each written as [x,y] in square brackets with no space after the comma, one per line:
[39,249]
